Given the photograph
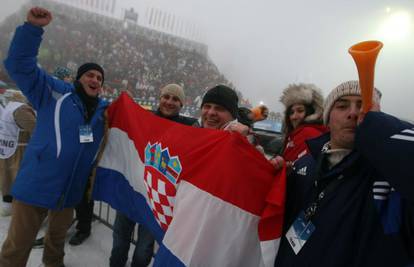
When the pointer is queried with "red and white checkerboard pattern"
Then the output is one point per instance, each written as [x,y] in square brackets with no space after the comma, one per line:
[161,195]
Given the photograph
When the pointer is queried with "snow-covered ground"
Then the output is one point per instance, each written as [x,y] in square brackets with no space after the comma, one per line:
[94,252]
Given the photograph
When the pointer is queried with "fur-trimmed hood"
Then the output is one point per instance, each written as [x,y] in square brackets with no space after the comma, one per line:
[302,93]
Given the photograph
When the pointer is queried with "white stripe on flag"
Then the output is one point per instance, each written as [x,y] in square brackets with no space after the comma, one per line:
[121,155]
[269,251]
[209,235]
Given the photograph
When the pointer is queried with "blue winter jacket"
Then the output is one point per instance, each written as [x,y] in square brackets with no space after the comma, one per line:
[366,217]
[56,166]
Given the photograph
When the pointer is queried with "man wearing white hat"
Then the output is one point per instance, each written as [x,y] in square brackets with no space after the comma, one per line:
[350,200]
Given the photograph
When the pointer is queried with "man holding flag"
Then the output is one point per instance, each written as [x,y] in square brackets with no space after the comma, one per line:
[171,102]
[208,196]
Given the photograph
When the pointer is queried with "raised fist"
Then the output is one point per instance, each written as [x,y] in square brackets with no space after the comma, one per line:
[39,16]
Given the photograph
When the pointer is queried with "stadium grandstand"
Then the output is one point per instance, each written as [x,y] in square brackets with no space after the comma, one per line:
[136,58]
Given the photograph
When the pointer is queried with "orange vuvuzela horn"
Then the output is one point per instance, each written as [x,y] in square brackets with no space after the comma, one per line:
[365,54]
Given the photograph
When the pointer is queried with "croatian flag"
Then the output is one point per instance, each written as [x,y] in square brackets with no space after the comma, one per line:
[208,196]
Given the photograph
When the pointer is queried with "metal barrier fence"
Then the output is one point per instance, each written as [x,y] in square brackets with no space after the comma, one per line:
[106,215]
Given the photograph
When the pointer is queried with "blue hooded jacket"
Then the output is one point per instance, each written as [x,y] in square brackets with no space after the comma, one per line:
[56,166]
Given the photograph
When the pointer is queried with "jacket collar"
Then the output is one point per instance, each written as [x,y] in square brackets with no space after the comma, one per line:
[158,113]
[98,114]
[315,146]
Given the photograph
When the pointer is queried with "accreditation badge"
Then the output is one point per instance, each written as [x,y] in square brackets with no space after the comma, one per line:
[299,232]
[85,134]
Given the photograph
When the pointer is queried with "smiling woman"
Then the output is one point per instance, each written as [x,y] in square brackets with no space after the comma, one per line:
[396,27]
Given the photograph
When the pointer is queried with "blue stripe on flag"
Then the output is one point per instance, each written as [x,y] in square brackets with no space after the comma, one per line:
[112,187]
[165,257]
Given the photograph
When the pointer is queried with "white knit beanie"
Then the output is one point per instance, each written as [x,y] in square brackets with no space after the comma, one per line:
[344,89]
[175,90]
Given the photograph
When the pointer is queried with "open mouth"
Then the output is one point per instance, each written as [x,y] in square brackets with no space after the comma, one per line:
[212,122]
[93,87]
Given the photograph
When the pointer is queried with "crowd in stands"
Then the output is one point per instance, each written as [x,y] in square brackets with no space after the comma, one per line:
[134,58]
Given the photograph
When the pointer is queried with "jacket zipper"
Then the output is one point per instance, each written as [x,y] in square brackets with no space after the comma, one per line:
[62,198]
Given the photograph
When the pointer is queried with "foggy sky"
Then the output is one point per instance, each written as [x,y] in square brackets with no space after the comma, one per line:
[264,45]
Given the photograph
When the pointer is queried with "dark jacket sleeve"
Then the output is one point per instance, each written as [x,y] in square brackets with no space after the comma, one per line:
[21,64]
[388,144]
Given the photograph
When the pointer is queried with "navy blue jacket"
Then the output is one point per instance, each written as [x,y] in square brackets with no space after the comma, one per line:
[177,118]
[56,166]
[368,218]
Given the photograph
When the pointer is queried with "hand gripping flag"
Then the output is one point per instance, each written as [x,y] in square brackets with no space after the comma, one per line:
[208,196]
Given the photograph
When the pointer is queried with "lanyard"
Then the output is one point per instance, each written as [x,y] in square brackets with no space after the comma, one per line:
[329,188]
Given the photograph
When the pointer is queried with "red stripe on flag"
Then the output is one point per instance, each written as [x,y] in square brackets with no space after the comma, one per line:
[221,163]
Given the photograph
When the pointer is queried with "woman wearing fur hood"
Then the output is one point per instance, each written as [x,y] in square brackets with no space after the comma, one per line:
[303,118]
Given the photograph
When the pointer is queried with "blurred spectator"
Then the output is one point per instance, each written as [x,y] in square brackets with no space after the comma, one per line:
[260,113]
[245,116]
[17,120]
[64,74]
